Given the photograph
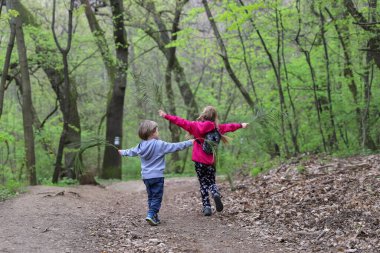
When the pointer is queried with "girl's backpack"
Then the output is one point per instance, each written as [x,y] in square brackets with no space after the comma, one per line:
[211,141]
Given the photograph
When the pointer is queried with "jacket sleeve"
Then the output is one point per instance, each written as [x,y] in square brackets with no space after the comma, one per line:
[173,147]
[129,152]
[183,123]
[193,127]
[229,127]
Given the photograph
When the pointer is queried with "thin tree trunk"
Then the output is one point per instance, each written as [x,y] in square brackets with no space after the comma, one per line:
[162,39]
[7,61]
[367,141]
[26,96]
[348,72]
[283,108]
[225,58]
[277,72]
[312,73]
[293,132]
[333,138]
[174,130]
[250,78]
[140,93]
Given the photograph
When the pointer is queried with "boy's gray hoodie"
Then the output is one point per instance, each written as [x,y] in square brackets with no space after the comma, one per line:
[152,153]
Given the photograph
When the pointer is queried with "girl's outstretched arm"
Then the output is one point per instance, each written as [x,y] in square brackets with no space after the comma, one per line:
[183,123]
[162,113]
[196,128]
[231,127]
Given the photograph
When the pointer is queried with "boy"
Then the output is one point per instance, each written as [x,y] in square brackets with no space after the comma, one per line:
[152,153]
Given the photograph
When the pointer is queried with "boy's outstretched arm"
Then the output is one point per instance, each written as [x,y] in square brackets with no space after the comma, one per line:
[128,152]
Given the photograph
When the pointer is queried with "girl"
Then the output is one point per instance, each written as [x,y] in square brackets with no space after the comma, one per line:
[204,162]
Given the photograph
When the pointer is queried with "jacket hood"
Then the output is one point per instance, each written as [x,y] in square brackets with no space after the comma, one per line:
[146,148]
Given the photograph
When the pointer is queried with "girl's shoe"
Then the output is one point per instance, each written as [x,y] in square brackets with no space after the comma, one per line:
[218,202]
[207,211]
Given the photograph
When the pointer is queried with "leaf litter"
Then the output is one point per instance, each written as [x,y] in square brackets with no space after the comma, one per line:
[314,205]
[317,204]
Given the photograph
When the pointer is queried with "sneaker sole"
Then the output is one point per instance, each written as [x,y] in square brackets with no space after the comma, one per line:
[151,222]
[218,203]
[208,212]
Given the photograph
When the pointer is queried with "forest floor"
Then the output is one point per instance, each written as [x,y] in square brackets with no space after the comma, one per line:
[305,205]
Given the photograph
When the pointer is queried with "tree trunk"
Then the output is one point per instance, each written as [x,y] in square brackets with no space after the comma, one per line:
[66,96]
[101,41]
[114,122]
[111,167]
[26,96]
[56,78]
[174,130]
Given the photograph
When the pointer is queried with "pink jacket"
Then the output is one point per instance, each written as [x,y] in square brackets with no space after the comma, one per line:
[198,129]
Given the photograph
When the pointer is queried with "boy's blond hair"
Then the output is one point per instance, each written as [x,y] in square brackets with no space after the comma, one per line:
[147,128]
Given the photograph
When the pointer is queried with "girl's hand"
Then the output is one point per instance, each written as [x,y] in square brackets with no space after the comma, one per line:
[161,113]
[244,125]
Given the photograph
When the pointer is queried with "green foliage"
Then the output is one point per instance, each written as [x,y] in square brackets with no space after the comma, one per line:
[256,171]
[199,56]
[62,183]
[183,38]
[79,166]
[301,169]
[10,189]
[10,14]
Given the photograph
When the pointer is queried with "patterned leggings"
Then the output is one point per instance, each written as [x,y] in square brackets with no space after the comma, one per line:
[206,178]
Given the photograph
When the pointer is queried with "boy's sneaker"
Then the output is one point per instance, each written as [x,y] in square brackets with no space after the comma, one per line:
[155,217]
[218,202]
[207,211]
[151,220]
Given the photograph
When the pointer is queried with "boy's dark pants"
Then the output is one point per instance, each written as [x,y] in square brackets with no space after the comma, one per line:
[155,190]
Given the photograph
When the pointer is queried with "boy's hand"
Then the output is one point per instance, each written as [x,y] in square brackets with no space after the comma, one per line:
[161,113]
[192,140]
[120,152]
[244,125]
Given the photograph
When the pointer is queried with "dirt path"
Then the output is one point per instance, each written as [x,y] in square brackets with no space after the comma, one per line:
[111,219]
